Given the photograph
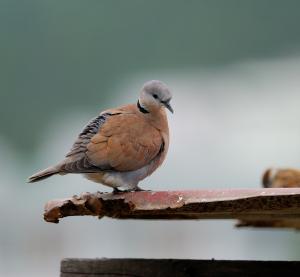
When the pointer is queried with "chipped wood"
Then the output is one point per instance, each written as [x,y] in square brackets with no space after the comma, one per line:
[244,204]
[277,178]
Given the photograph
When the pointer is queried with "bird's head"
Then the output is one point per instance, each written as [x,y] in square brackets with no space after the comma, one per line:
[155,95]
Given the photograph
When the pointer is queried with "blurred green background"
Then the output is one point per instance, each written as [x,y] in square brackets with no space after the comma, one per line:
[233,67]
[61,54]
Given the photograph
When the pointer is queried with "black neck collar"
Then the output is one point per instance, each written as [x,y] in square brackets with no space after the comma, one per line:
[141,109]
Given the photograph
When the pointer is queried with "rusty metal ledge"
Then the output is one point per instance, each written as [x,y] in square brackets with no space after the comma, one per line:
[253,207]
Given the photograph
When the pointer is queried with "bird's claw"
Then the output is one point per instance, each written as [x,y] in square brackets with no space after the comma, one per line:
[139,189]
[117,191]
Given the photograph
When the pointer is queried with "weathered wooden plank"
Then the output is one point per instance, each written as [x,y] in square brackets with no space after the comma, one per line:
[175,268]
[243,204]
[276,178]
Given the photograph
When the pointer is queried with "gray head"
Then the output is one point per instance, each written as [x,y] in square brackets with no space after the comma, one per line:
[154,95]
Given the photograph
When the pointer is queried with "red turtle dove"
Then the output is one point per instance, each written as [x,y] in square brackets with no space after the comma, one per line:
[121,146]
[281,178]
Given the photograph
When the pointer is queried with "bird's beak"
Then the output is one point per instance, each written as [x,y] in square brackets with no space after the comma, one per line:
[168,106]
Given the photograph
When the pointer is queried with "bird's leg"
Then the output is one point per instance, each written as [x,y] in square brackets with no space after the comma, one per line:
[116,191]
[137,188]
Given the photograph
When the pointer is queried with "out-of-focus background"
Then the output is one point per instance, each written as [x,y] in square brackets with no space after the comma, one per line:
[234,70]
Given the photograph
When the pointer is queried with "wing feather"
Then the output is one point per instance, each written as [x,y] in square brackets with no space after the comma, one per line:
[131,143]
[114,141]
[76,159]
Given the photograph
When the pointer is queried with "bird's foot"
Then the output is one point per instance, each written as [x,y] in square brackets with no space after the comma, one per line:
[117,191]
[139,189]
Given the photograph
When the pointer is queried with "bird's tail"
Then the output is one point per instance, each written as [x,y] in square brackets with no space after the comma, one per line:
[52,170]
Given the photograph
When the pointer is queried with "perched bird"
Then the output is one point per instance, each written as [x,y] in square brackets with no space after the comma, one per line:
[281,178]
[121,146]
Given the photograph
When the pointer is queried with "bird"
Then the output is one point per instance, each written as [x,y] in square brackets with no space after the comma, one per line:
[121,146]
[281,178]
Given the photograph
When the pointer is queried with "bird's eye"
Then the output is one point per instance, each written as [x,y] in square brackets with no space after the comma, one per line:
[155,96]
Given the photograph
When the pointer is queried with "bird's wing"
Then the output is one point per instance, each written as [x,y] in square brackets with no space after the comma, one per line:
[76,160]
[91,129]
[114,141]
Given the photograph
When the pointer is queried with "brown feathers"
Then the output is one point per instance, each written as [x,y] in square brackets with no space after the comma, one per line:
[281,178]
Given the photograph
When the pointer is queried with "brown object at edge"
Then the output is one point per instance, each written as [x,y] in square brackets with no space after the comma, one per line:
[281,178]
[277,178]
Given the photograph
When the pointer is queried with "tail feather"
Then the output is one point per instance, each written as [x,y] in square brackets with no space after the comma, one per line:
[43,174]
